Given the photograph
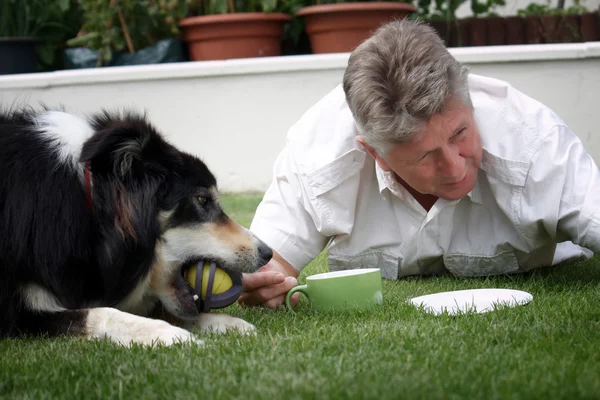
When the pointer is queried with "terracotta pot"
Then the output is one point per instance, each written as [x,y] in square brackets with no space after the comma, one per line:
[590,27]
[495,31]
[340,28]
[515,30]
[237,35]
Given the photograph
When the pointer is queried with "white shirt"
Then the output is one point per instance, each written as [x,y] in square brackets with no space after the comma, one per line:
[536,187]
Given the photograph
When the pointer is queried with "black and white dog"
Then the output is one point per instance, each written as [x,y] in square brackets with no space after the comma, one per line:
[98,217]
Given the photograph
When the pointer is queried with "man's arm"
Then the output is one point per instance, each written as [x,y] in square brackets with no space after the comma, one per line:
[563,192]
[282,222]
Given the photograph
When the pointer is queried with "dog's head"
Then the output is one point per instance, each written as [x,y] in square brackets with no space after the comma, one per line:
[165,202]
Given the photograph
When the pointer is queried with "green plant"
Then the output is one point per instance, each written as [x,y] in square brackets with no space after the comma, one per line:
[547,9]
[31,18]
[209,7]
[115,25]
[50,22]
[314,2]
[535,9]
[484,8]
[577,8]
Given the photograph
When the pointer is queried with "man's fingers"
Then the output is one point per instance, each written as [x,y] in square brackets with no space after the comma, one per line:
[257,280]
[276,302]
[264,294]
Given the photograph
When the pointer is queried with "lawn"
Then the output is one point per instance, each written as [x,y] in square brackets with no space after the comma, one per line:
[548,349]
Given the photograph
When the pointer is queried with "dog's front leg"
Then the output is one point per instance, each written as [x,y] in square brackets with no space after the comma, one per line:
[125,328]
[206,322]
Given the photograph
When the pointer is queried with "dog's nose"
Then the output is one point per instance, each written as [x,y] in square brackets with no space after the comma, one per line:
[264,254]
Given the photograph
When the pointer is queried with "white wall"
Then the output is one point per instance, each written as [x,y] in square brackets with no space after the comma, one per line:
[235,114]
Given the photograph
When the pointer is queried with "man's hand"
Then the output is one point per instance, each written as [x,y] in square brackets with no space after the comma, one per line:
[269,285]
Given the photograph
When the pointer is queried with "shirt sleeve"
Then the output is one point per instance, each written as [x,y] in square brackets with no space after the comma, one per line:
[282,220]
[562,192]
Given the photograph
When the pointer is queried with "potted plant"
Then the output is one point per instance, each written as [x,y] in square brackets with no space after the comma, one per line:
[127,32]
[338,26]
[225,29]
[485,27]
[28,28]
[589,22]
[443,19]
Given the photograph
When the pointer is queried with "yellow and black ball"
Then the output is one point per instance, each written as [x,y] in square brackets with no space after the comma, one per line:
[214,288]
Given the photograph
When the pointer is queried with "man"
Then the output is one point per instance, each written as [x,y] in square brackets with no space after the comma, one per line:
[417,167]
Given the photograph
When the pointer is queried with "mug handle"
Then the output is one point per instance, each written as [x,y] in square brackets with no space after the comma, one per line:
[301,289]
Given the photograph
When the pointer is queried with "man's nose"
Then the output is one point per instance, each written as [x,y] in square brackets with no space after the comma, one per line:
[451,163]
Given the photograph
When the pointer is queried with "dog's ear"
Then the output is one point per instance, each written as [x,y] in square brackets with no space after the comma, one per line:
[118,147]
[124,171]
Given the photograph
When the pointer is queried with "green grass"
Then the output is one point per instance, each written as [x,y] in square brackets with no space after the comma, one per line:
[547,349]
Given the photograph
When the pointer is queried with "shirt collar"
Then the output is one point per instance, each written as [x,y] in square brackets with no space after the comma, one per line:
[386,181]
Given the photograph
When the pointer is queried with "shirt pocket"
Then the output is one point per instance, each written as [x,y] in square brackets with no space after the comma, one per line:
[332,192]
[385,261]
[323,179]
[465,265]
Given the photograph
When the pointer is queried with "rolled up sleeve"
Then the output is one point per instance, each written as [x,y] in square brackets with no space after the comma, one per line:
[282,220]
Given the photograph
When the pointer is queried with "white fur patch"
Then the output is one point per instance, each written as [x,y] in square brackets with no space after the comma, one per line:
[221,323]
[39,298]
[66,132]
[126,329]
[189,242]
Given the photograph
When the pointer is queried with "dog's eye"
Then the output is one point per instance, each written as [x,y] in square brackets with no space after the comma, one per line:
[201,200]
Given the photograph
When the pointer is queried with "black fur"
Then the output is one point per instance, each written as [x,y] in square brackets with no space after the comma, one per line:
[49,237]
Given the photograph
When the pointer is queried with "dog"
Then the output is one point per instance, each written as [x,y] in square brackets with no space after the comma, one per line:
[99,216]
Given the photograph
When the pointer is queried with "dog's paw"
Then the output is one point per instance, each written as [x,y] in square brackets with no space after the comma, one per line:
[166,334]
[221,323]
[127,329]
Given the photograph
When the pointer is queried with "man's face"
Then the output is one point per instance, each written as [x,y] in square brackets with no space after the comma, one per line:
[444,157]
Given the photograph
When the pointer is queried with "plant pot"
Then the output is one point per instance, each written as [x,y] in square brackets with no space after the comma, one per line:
[515,30]
[496,31]
[590,27]
[17,55]
[340,28]
[534,30]
[237,35]
[464,26]
[441,27]
[477,32]
[551,28]
[568,29]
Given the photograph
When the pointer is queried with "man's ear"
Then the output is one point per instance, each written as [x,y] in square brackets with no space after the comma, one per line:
[382,164]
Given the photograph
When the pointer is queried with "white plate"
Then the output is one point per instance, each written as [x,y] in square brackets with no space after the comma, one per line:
[471,300]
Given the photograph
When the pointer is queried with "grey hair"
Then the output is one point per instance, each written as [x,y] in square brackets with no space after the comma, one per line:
[398,79]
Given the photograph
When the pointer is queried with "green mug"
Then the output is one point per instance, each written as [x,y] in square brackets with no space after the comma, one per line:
[348,289]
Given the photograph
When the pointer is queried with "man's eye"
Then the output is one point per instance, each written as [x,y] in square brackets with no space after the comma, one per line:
[463,130]
[201,200]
